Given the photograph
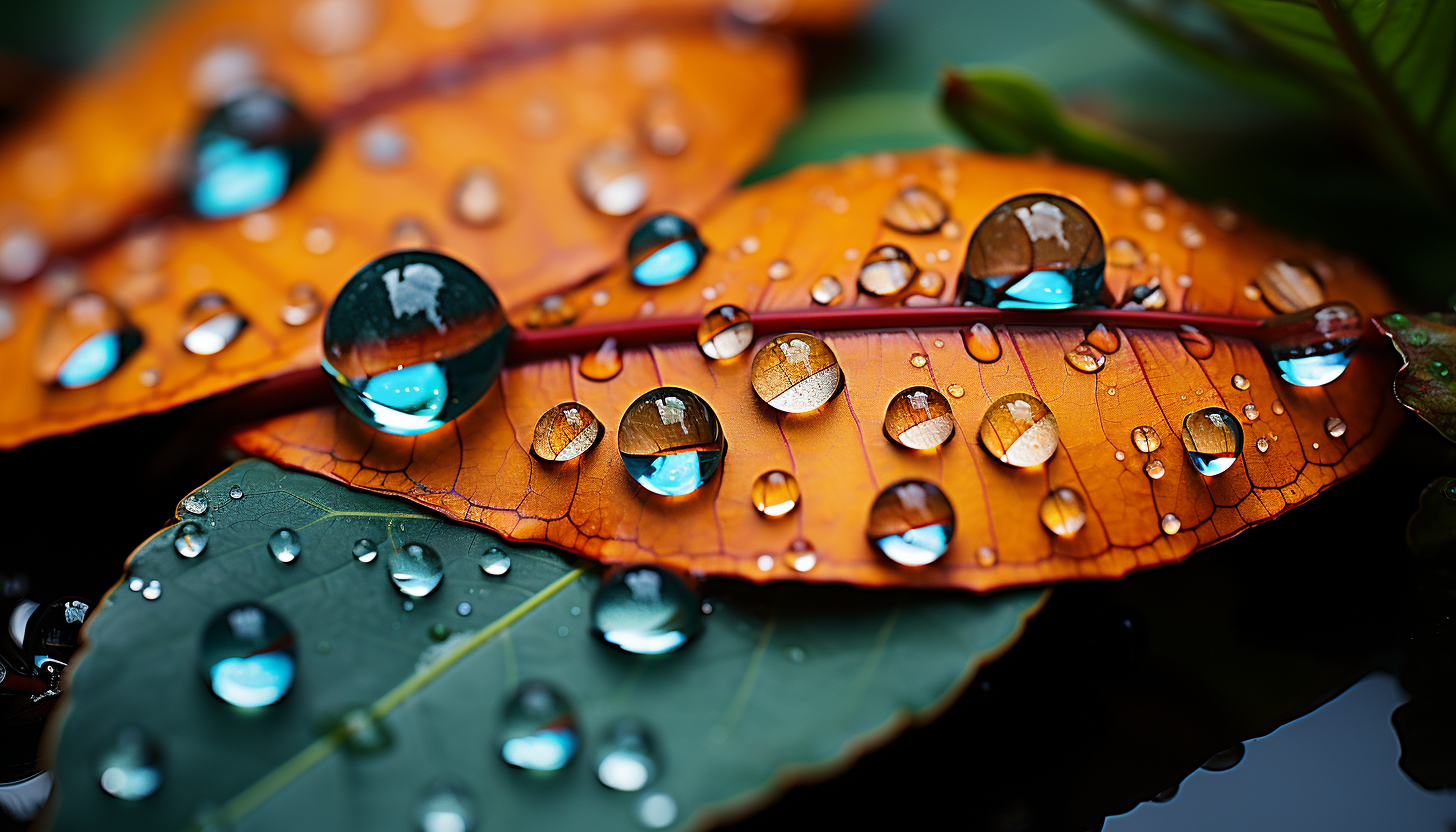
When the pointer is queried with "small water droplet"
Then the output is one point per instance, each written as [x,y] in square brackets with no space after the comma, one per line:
[801,556]
[749,244]
[136,584]
[1019,430]
[1119,456]
[795,373]
[1289,286]
[1152,218]
[610,178]
[550,312]
[1239,381]
[1313,347]
[538,730]
[565,432]
[23,252]
[445,807]
[665,248]
[437,632]
[84,341]
[1086,358]
[415,569]
[365,551]
[247,656]
[210,324]
[981,343]
[284,545]
[604,363]
[477,199]
[1335,427]
[1103,339]
[130,767]
[1063,512]
[303,305]
[1226,759]
[1278,408]
[1190,236]
[319,238]
[1251,292]
[383,144]
[887,270]
[919,418]
[795,653]
[1171,524]
[1198,345]
[765,563]
[247,153]
[195,503]
[775,493]
[656,810]
[986,556]
[780,270]
[929,284]
[671,441]
[918,359]
[663,125]
[827,290]
[646,609]
[1262,444]
[1146,439]
[409,232]
[725,333]
[236,492]
[955,390]
[495,561]
[911,522]
[916,210]
[1251,411]
[152,591]
[1213,438]
[627,760]
[1036,251]
[190,540]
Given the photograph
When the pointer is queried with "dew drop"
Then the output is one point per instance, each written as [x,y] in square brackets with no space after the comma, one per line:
[1019,430]
[1154,469]
[919,418]
[664,249]
[1335,427]
[1262,444]
[1146,439]
[929,284]
[247,656]
[195,503]
[365,550]
[981,343]
[827,290]
[663,125]
[190,540]
[130,767]
[1086,358]
[1288,286]
[1171,524]
[609,177]
[765,563]
[303,305]
[775,493]
[1063,512]
[152,591]
[416,569]
[1196,343]
[538,731]
[1226,759]
[1119,456]
[477,200]
[627,761]
[1251,411]
[955,390]
[646,609]
[911,523]
[725,333]
[334,27]
[916,210]
[247,153]
[986,556]
[410,233]
[1239,381]
[671,441]
[136,584]
[463,608]
[284,545]
[1036,251]
[801,556]
[23,252]
[1103,339]
[1213,438]
[1278,408]
[780,270]
[656,810]
[795,373]
[1189,236]
[918,359]
[445,807]
[236,492]
[604,363]
[1312,348]
[550,312]
[84,341]
[210,324]
[495,561]
[886,271]
[565,432]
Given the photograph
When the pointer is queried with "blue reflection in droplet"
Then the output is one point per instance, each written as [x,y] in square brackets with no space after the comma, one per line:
[671,474]
[664,249]
[646,609]
[1314,370]
[131,767]
[1040,290]
[671,262]
[546,750]
[233,179]
[254,681]
[407,401]
[916,547]
[91,361]
[1213,439]
[247,153]
[539,730]
[247,656]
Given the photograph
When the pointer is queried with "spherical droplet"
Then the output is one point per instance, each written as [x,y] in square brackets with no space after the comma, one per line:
[1034,252]
[955,391]
[1312,348]
[152,591]
[130,767]
[671,442]
[247,153]
[656,810]
[1063,512]
[190,540]
[775,493]
[195,503]
[84,341]
[415,569]
[664,249]
[646,609]
[604,363]
[1019,430]
[919,418]
[1289,286]
[463,608]
[1278,408]
[1239,381]
[412,341]
[1190,236]
[246,656]
[477,199]
[495,561]
[609,177]
[1262,444]
[1103,339]
[365,550]
[916,210]
[210,324]
[725,333]
[565,432]
[445,807]
[235,493]
[1146,439]
[1171,524]
[795,372]
[1213,439]
[303,305]
[827,290]
[981,343]
[22,252]
[1154,469]
[1251,411]
[627,761]
[918,359]
[1086,358]
[887,270]
[780,270]
[1335,427]
[663,125]
[1196,343]
[801,556]
[538,730]
[284,545]
[911,523]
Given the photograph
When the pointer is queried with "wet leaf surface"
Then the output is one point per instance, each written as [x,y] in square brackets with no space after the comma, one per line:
[736,714]
[1144,504]
[1426,383]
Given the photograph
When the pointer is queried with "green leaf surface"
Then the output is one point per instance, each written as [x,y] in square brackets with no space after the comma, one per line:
[1426,382]
[1431,531]
[787,682]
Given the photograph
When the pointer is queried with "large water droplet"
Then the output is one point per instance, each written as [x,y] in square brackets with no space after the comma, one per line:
[195,503]
[1019,430]
[415,569]
[477,200]
[413,340]
[887,270]
[602,364]
[919,418]
[1335,427]
[247,656]
[539,728]
[84,341]
[1063,512]
[916,210]
[495,561]
[210,324]
[911,523]
[610,178]
[664,249]
[670,441]
[646,609]
[981,343]
[1155,469]
[627,761]
[446,807]
[775,493]
[1312,348]
[130,768]
[365,550]
[795,372]
[1146,439]
[827,290]
[1086,358]
[1251,411]
[1034,252]
[284,545]
[565,432]
[247,153]
[190,540]
[1289,287]
[1213,438]
[725,333]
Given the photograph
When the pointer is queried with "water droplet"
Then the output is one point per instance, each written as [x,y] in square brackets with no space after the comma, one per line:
[22,252]
[1289,286]
[1417,338]
[646,609]
[1086,358]
[246,656]
[437,632]
[565,432]
[986,556]
[247,153]
[334,27]
[775,493]
[539,728]
[918,359]
[284,545]
[1251,411]
[627,761]
[236,492]
[1312,348]
[916,210]
[919,418]
[1396,321]
[302,306]
[887,270]
[415,569]
[765,563]
[383,144]
[911,523]
[152,591]
[1119,455]
[210,324]
[319,238]
[365,550]
[955,390]
[604,363]
[664,249]
[670,441]
[190,540]
[477,200]
[130,768]
[1262,444]
[656,810]
[410,233]
[84,341]
[725,333]
[1213,439]
[1171,524]
[445,807]
[412,341]
[827,290]
[136,584]
[1278,408]
[1063,512]
[1190,236]
[1239,381]
[1034,252]
[1152,218]
[801,556]
[795,373]
[610,178]
[749,244]
[795,653]
[549,312]
[1199,346]
[1019,430]
[495,561]
[928,285]
[939,344]
[663,125]
[1146,439]
[1335,427]
[780,270]
[195,503]
[601,297]
[1154,469]
[1226,759]
[1103,339]
[981,343]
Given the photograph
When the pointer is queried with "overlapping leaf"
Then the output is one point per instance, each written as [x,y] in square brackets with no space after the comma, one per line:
[1426,382]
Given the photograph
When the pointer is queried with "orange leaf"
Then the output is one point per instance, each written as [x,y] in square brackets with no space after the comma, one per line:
[1144,505]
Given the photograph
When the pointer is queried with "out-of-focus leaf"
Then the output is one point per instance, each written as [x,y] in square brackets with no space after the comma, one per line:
[1432,529]
[1426,383]
[783,683]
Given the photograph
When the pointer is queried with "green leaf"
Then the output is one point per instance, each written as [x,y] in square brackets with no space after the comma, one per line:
[1426,382]
[787,681]
[1008,111]
[1431,531]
